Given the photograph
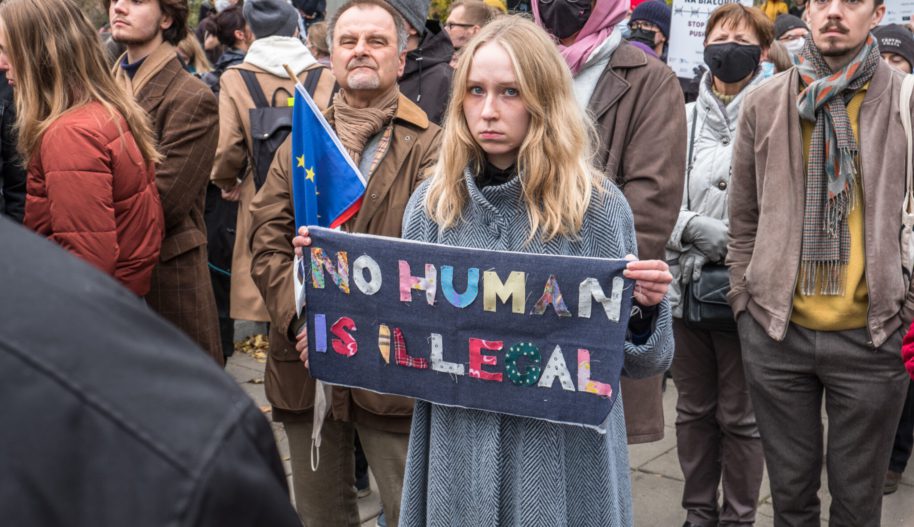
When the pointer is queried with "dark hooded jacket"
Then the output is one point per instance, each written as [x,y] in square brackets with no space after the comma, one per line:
[12,173]
[229,58]
[112,416]
[426,79]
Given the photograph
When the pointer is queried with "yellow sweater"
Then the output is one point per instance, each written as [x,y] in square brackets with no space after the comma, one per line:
[773,8]
[839,313]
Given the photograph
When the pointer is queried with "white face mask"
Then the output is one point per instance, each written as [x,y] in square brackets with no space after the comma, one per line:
[794,46]
[222,5]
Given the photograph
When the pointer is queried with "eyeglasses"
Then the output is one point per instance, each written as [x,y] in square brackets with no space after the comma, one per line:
[451,25]
[641,24]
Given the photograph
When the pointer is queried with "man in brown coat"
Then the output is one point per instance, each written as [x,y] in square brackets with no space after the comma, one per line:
[185,118]
[394,145]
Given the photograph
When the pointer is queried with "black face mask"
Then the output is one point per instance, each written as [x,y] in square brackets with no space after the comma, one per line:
[732,62]
[644,36]
[564,18]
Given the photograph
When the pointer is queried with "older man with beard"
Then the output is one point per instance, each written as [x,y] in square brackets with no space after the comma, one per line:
[393,143]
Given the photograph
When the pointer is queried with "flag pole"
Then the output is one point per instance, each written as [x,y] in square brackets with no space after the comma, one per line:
[292,75]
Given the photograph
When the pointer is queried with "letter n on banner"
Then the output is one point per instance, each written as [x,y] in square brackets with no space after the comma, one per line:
[340,275]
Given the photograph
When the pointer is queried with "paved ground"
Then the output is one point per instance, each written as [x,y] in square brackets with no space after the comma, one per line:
[656,476]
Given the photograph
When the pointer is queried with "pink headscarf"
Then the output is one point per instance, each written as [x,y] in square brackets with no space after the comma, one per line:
[606,14]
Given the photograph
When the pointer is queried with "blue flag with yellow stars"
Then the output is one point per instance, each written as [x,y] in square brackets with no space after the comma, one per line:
[327,187]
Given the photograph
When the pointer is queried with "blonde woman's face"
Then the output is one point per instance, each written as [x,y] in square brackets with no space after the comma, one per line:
[5,64]
[493,108]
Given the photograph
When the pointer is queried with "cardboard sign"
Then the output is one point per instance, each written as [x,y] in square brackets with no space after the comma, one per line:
[528,335]
[687,33]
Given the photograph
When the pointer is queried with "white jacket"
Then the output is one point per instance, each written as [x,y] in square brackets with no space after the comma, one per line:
[708,181]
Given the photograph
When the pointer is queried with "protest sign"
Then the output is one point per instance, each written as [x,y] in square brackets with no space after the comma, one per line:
[898,11]
[536,336]
[687,33]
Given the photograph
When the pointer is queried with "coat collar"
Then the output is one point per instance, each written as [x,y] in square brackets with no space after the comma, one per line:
[410,113]
[165,57]
[612,84]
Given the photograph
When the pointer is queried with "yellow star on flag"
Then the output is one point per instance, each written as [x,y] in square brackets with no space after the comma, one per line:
[301,161]
[310,174]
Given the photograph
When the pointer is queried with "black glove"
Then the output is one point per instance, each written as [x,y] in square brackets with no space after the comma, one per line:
[708,235]
[690,263]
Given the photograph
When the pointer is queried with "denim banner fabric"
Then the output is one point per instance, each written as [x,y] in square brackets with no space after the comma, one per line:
[530,335]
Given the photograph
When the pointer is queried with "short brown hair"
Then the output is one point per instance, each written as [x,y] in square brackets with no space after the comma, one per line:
[177,10]
[475,11]
[734,14]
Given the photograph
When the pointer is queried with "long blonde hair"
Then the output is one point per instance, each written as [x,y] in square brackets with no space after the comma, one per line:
[59,65]
[196,57]
[555,159]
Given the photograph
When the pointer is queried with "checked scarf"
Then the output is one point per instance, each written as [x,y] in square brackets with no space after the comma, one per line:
[832,166]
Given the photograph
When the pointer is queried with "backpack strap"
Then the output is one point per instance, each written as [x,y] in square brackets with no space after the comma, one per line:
[250,80]
[311,80]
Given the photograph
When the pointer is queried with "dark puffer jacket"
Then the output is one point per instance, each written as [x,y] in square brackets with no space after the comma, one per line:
[427,76]
[90,190]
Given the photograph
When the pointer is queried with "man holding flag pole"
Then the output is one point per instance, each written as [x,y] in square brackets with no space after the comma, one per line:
[355,169]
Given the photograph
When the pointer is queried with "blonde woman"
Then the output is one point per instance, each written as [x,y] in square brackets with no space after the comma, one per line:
[192,55]
[515,174]
[88,147]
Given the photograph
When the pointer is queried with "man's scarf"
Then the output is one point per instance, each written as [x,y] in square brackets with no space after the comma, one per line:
[356,126]
[831,176]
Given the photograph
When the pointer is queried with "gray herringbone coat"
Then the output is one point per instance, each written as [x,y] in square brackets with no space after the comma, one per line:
[468,467]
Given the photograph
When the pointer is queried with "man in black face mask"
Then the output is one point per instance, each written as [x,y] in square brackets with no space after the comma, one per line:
[820,287]
[650,28]
[641,145]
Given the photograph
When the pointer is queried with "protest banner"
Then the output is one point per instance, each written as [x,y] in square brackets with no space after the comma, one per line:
[530,335]
[687,33]
[898,11]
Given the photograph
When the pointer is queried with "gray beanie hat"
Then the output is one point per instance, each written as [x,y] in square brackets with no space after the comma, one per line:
[268,18]
[413,11]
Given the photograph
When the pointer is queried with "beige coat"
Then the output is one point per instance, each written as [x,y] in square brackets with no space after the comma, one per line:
[639,114]
[767,191]
[233,161]
[290,389]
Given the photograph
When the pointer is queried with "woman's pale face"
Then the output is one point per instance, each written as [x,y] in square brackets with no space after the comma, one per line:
[493,108]
[5,64]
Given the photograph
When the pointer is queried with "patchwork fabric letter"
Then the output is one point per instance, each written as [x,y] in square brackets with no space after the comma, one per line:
[477,359]
[447,286]
[403,358]
[551,295]
[344,344]
[408,282]
[585,384]
[340,275]
[513,288]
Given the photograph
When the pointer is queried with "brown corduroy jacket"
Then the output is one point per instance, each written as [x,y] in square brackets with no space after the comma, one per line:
[184,118]
[412,153]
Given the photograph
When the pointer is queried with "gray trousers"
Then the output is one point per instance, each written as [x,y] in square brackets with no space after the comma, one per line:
[864,391]
[716,436]
[327,497]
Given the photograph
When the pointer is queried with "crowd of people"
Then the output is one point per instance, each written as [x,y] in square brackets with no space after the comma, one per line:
[763,206]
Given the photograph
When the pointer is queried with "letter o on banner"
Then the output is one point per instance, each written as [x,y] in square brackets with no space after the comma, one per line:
[362,263]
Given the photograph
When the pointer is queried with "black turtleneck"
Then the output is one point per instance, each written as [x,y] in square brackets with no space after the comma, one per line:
[492,176]
[131,69]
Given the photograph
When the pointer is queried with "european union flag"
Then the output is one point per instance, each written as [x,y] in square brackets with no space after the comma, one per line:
[327,187]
